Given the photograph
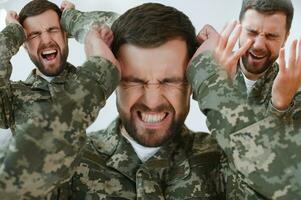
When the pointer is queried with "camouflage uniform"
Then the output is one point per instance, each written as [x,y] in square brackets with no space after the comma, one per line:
[261,143]
[48,119]
[187,167]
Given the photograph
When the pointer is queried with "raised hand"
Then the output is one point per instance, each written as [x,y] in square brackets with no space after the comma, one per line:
[106,34]
[208,38]
[11,17]
[288,79]
[67,5]
[95,44]
[224,54]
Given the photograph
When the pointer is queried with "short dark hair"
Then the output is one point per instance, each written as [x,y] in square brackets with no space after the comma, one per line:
[270,7]
[37,7]
[151,25]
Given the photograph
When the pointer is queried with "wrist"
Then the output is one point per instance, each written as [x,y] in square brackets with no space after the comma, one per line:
[281,105]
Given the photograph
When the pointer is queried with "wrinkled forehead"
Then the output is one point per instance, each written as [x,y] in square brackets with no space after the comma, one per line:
[168,60]
[271,22]
[45,20]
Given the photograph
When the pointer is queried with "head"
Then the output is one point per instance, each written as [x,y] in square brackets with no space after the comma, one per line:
[153,44]
[267,23]
[46,42]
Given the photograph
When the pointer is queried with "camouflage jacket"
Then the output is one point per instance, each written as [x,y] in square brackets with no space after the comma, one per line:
[48,119]
[261,143]
[78,23]
[187,167]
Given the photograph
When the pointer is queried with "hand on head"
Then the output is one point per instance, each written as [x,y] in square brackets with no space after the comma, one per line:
[97,43]
[67,5]
[11,17]
[208,38]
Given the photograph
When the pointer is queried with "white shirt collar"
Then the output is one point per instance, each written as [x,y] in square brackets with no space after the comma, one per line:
[143,153]
[47,78]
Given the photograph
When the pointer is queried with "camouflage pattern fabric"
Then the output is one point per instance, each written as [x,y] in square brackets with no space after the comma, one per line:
[48,120]
[78,23]
[186,167]
[261,143]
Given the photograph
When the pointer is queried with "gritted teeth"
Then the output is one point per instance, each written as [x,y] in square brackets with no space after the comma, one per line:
[153,118]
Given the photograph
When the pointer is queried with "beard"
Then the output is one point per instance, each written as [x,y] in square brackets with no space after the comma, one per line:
[257,69]
[254,68]
[63,54]
[151,137]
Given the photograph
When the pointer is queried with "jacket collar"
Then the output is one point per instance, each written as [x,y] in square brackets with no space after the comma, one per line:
[37,82]
[124,159]
[261,90]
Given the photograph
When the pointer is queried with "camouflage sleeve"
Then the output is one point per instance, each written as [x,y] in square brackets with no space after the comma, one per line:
[262,149]
[77,23]
[11,38]
[46,148]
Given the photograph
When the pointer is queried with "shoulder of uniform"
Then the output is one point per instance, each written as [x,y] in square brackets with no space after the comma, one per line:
[106,140]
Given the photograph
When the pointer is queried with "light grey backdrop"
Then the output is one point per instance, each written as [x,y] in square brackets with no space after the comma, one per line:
[201,12]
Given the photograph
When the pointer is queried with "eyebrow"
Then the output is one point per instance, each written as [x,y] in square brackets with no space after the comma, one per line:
[170,79]
[274,34]
[49,28]
[132,79]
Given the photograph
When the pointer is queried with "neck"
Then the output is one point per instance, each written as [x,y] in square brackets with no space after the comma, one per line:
[249,75]
[47,78]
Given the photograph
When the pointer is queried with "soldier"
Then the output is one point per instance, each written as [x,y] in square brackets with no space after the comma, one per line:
[147,152]
[257,126]
[49,112]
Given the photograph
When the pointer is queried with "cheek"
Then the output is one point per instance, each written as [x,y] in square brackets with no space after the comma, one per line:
[274,48]
[180,101]
[32,48]
[126,99]
[61,41]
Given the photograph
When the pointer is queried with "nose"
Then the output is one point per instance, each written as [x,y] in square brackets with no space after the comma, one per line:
[259,42]
[152,97]
[45,37]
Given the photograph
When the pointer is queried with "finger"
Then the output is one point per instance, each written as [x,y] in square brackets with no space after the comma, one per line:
[299,54]
[225,35]
[110,41]
[63,5]
[233,40]
[201,37]
[292,58]
[242,50]
[281,60]
[224,27]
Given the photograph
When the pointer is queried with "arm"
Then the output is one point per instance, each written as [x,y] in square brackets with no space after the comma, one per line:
[11,38]
[78,23]
[45,149]
[258,145]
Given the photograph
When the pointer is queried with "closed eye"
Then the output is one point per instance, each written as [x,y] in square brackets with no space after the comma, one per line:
[33,35]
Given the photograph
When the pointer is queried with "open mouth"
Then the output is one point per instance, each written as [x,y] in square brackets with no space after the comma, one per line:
[152,117]
[49,54]
[257,56]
